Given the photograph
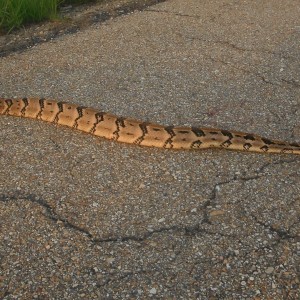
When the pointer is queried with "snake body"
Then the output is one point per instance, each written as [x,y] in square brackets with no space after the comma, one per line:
[137,132]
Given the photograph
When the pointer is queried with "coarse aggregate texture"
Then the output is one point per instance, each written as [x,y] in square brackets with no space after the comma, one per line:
[86,218]
[69,20]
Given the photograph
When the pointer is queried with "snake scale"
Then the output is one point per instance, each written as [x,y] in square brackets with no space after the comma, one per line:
[137,132]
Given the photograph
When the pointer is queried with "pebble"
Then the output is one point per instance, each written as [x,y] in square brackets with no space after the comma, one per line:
[269,270]
[217,212]
[153,291]
[110,260]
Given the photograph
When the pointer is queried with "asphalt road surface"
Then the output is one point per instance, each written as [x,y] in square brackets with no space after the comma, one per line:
[86,218]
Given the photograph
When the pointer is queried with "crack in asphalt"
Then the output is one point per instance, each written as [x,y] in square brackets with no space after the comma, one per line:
[280,162]
[282,234]
[191,230]
[259,174]
[291,82]
[186,230]
[262,77]
[256,74]
[173,13]
[113,276]
[52,215]
[238,48]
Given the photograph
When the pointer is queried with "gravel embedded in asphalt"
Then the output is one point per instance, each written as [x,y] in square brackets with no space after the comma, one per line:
[86,218]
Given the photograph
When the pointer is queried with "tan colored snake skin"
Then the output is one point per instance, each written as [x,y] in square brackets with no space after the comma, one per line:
[135,132]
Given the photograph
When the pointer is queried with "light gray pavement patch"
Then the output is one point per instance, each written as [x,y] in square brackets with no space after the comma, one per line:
[85,218]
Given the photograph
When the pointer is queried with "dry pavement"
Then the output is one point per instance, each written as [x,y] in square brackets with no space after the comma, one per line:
[86,218]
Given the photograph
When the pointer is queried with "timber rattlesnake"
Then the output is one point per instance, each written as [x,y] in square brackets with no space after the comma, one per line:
[135,132]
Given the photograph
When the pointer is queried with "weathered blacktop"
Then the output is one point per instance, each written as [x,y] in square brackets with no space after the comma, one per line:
[86,218]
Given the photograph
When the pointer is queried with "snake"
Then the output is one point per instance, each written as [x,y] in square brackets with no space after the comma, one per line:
[141,133]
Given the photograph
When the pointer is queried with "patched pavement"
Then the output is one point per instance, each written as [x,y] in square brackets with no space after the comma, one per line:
[87,218]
